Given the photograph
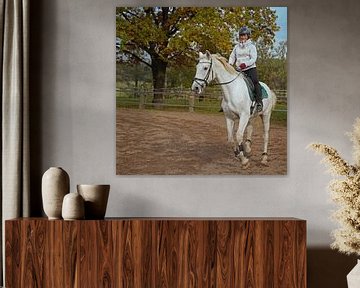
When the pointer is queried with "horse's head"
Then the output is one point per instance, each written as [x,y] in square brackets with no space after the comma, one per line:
[204,72]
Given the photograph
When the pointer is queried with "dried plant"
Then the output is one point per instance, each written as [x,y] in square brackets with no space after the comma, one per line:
[345,192]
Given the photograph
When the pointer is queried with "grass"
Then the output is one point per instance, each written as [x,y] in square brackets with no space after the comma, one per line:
[181,103]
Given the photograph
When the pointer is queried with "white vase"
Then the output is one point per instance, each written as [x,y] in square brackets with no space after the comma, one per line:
[95,197]
[55,185]
[353,278]
[73,207]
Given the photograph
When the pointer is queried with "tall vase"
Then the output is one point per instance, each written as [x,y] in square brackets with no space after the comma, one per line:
[353,278]
[55,185]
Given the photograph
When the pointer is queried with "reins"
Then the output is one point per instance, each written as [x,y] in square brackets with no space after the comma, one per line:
[228,82]
[205,80]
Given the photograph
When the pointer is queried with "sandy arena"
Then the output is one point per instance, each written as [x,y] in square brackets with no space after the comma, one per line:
[154,142]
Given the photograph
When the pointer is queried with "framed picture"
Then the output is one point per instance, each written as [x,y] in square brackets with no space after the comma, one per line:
[201,90]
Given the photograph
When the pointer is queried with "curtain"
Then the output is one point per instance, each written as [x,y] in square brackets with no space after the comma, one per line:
[14,25]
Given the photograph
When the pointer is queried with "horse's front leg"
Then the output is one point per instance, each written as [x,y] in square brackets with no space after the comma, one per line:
[243,121]
[230,118]
[248,141]
[230,130]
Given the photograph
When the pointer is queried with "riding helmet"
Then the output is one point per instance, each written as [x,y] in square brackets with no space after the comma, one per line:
[244,30]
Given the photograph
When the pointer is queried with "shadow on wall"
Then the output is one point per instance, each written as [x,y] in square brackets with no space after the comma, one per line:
[35,47]
[328,268]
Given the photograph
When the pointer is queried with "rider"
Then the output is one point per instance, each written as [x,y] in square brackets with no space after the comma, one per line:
[244,57]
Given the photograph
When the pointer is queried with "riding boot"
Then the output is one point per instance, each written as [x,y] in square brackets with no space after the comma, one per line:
[258,98]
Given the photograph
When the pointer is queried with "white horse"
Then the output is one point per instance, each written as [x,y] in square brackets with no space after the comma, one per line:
[236,102]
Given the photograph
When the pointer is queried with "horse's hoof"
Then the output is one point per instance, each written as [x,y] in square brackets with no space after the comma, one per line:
[244,161]
[264,160]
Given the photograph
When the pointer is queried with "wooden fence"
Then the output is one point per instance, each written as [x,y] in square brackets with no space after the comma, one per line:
[181,98]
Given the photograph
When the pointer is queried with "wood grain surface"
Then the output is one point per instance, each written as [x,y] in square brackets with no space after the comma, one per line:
[149,252]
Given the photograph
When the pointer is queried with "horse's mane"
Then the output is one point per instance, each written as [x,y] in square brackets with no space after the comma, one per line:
[224,62]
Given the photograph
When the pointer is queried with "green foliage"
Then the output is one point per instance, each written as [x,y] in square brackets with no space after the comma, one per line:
[176,34]
[128,73]
[180,76]
[271,65]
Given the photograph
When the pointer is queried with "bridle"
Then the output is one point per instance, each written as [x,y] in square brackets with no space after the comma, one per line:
[205,80]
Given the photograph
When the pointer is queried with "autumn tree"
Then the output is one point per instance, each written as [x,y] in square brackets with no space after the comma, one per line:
[163,36]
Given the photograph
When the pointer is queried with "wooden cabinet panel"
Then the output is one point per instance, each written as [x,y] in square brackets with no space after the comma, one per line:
[156,252]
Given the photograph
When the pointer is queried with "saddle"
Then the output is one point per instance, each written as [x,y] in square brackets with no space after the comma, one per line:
[251,88]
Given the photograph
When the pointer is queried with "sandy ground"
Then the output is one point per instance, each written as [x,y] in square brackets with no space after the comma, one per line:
[153,142]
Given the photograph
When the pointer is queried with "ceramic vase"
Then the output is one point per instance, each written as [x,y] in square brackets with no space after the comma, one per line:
[73,207]
[55,185]
[96,198]
[353,278]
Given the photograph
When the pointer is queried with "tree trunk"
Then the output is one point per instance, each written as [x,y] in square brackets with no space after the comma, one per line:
[158,68]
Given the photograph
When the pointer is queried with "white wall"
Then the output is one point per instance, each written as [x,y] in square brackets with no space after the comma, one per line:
[77,114]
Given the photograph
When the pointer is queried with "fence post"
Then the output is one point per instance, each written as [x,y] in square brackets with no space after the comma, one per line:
[191,103]
[142,101]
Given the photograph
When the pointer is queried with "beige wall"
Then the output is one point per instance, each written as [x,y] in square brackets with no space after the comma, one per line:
[73,113]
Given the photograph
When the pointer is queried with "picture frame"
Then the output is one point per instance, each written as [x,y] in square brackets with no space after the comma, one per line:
[163,127]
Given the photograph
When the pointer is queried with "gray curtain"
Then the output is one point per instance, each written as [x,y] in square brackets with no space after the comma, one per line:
[15,172]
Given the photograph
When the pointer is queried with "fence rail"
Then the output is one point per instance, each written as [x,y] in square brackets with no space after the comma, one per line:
[182,98]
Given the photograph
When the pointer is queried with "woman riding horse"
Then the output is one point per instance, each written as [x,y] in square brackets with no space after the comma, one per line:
[236,103]
[244,57]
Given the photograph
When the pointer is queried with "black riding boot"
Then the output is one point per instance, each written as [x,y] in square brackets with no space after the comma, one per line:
[252,73]
[258,98]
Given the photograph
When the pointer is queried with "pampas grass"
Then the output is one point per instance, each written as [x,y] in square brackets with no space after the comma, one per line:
[345,192]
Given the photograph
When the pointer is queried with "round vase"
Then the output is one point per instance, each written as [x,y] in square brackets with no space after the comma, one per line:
[73,207]
[55,185]
[96,198]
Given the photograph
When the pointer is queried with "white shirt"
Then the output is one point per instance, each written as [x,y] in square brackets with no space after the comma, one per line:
[244,53]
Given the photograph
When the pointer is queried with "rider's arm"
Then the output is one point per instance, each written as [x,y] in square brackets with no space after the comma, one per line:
[232,57]
[253,56]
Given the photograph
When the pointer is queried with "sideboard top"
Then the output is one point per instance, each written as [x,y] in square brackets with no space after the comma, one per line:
[173,219]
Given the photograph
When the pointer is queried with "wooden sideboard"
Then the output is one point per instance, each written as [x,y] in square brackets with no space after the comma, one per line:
[156,252]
